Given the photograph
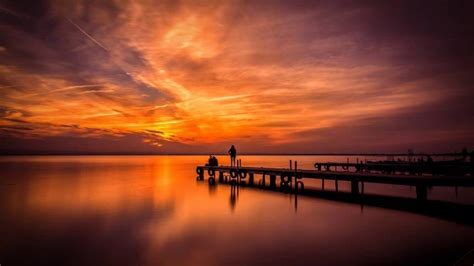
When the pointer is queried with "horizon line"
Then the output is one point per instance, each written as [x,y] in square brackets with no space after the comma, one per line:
[242,154]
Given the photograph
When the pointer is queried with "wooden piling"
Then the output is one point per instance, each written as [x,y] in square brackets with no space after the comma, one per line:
[273,180]
[221,177]
[296,176]
[421,193]
[354,187]
[200,172]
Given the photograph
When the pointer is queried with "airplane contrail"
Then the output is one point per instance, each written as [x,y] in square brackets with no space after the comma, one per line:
[87,34]
[11,12]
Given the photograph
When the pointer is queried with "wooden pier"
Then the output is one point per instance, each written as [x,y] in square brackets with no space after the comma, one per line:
[412,168]
[292,178]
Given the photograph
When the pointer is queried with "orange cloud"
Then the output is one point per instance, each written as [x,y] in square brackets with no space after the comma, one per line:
[199,74]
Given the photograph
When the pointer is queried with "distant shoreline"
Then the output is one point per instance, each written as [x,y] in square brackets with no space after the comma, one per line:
[243,154]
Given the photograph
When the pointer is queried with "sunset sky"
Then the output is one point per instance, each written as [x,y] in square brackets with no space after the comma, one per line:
[267,76]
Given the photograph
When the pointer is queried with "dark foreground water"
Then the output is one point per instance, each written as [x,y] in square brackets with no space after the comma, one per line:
[150,210]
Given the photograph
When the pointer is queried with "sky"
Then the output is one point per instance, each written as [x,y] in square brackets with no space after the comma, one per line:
[268,76]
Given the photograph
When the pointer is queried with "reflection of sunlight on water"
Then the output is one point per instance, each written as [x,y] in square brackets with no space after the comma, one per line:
[162,175]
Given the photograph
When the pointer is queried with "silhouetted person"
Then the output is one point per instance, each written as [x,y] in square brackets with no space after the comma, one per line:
[233,155]
[212,161]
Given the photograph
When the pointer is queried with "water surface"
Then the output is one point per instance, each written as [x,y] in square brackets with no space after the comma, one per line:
[150,210]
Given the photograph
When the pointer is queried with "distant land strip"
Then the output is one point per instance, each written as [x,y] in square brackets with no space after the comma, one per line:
[10,153]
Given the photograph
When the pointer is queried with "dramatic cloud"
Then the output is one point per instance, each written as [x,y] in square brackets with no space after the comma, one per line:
[269,76]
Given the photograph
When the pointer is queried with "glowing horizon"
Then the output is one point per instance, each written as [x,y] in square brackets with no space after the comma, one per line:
[140,76]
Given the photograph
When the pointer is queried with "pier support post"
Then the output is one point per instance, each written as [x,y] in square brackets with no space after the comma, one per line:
[200,172]
[421,193]
[355,187]
[322,183]
[251,179]
[221,177]
[337,187]
[273,180]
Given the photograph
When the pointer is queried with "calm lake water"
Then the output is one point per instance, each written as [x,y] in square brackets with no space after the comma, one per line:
[150,210]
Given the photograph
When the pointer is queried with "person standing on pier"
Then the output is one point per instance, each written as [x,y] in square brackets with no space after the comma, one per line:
[233,154]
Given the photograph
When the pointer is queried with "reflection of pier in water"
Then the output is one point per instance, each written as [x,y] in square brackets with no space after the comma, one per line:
[291,181]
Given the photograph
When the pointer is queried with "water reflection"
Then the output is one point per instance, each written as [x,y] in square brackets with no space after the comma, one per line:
[149,210]
[459,213]
[234,195]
